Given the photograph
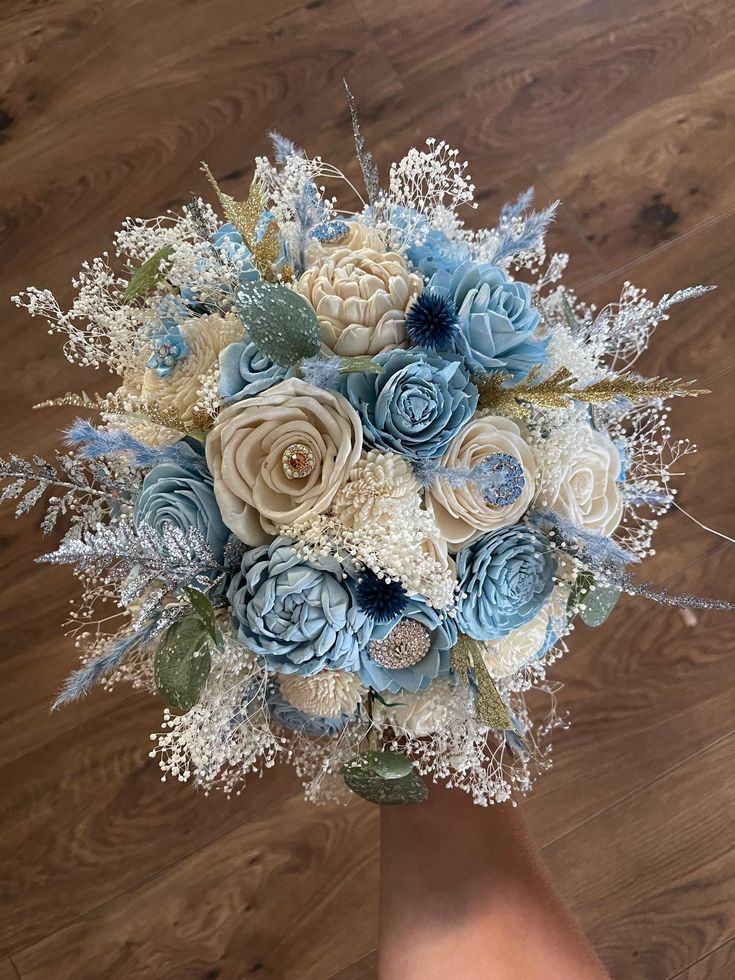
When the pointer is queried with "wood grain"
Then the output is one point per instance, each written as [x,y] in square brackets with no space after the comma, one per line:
[625,111]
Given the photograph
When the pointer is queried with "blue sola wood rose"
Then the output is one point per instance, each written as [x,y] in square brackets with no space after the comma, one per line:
[416,405]
[496,318]
[504,580]
[244,371]
[300,616]
[181,494]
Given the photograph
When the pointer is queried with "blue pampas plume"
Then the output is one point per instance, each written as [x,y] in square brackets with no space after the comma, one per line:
[321,372]
[79,683]
[522,203]
[597,553]
[94,443]
[526,238]
[283,148]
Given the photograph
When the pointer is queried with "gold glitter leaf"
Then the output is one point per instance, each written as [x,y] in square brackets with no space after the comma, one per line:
[245,216]
[490,709]
[558,391]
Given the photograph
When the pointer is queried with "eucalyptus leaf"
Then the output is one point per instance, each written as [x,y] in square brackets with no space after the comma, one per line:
[147,276]
[363,778]
[581,587]
[359,365]
[182,663]
[205,611]
[279,322]
[599,604]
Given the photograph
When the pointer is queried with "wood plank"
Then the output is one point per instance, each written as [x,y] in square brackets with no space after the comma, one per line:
[718,964]
[87,817]
[650,879]
[656,175]
[365,969]
[291,894]
[7,970]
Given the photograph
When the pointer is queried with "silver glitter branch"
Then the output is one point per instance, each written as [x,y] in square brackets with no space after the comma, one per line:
[364,158]
[79,481]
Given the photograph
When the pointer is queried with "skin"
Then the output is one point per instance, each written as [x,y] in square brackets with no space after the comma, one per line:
[464,894]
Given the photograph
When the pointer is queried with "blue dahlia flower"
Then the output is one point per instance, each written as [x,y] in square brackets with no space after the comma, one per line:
[315,726]
[245,371]
[300,616]
[496,318]
[181,495]
[416,405]
[420,633]
[504,579]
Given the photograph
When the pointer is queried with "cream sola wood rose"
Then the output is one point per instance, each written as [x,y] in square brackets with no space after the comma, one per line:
[280,457]
[463,510]
[360,298]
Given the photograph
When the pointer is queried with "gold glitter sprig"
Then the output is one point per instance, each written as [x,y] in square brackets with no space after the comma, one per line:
[134,407]
[490,709]
[558,391]
[245,216]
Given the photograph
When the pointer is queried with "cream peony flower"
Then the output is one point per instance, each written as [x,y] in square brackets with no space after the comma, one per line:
[582,482]
[360,298]
[421,714]
[206,337]
[505,656]
[281,456]
[461,511]
[329,694]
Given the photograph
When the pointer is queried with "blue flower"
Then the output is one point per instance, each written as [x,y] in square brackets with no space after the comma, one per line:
[169,347]
[229,242]
[315,726]
[245,371]
[181,494]
[431,321]
[300,616]
[496,318]
[436,253]
[416,405]
[440,636]
[382,599]
[504,579]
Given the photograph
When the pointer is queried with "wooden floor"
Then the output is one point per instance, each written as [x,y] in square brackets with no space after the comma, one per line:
[622,108]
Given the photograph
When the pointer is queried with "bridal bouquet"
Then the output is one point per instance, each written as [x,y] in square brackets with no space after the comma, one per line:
[360,472]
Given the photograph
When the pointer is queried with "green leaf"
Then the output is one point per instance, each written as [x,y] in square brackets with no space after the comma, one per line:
[582,585]
[359,365]
[205,611]
[599,604]
[147,276]
[279,322]
[182,663]
[386,778]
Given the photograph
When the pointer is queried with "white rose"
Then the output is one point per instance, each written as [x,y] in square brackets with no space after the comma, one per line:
[360,298]
[248,452]
[420,714]
[461,511]
[329,694]
[581,483]
[505,656]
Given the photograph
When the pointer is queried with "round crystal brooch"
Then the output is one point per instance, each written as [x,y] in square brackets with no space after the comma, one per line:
[298,461]
[404,646]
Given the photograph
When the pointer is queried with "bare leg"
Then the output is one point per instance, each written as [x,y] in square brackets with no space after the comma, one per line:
[464,895]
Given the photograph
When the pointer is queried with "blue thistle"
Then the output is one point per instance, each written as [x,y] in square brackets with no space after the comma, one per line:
[381,599]
[432,321]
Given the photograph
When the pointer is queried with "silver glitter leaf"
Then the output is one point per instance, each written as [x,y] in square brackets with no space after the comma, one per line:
[279,322]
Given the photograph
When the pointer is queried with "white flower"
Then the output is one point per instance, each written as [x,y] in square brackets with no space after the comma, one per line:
[360,298]
[378,477]
[420,714]
[507,655]
[580,483]
[248,451]
[329,694]
[461,511]
[206,337]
